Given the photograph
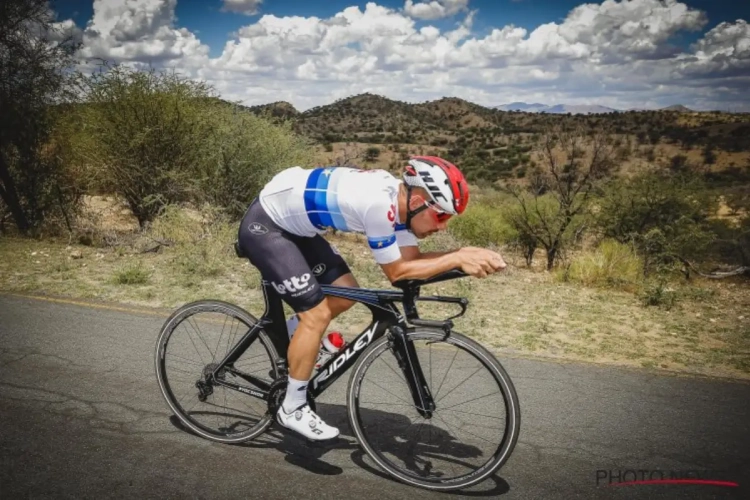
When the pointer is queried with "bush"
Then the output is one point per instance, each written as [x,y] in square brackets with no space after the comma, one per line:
[146,132]
[611,264]
[160,138]
[539,222]
[482,225]
[657,293]
[666,216]
[242,154]
[48,184]
[133,274]
[372,153]
[201,241]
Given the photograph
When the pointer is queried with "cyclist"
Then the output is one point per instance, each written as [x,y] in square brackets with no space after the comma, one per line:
[281,234]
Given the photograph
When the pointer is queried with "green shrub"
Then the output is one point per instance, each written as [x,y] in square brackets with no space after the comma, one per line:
[161,138]
[246,151]
[610,264]
[657,293]
[133,274]
[666,216]
[482,225]
[201,241]
[146,133]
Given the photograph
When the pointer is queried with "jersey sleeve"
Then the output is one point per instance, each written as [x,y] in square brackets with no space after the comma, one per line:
[404,237]
[380,230]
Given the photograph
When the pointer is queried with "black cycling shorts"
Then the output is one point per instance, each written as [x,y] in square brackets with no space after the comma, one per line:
[294,265]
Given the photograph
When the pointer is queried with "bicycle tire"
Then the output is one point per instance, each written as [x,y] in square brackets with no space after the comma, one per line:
[486,359]
[166,335]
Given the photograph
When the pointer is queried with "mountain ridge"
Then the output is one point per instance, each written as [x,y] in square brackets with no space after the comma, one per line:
[580,108]
[287,110]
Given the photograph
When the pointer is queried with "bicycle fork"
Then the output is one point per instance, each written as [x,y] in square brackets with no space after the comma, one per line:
[406,355]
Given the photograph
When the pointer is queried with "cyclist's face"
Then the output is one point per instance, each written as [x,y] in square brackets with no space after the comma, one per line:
[428,221]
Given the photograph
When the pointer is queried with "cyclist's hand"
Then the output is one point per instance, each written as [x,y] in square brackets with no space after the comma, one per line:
[480,262]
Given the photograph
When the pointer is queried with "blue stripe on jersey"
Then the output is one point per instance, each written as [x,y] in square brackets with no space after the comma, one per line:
[400,227]
[321,200]
[315,199]
[333,205]
[381,242]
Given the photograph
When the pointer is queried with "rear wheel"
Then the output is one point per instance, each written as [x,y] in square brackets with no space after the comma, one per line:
[469,435]
[191,344]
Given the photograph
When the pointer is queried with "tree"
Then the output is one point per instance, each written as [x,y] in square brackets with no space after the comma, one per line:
[34,55]
[709,156]
[159,138]
[147,131]
[372,153]
[666,215]
[573,162]
[347,155]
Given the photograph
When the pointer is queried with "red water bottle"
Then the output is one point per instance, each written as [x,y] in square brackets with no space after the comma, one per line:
[329,346]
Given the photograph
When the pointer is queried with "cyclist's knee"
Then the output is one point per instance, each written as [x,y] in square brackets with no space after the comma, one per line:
[339,305]
[347,279]
[317,317]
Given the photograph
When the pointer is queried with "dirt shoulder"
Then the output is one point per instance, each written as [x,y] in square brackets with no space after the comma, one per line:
[520,312]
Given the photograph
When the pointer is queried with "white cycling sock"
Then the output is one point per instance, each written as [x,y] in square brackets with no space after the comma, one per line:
[291,324]
[296,395]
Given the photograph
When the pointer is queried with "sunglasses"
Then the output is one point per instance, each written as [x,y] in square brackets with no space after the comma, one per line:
[439,213]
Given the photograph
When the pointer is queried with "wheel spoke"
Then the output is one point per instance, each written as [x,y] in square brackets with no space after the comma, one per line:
[470,413]
[437,393]
[462,383]
[432,448]
[225,415]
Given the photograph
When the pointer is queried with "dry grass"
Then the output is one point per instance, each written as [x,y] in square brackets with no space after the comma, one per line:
[524,312]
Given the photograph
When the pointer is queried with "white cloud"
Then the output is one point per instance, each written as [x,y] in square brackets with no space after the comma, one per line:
[138,31]
[727,42]
[247,7]
[632,29]
[617,53]
[63,31]
[434,9]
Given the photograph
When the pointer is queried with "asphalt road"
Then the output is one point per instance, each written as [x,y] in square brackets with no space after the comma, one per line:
[81,416]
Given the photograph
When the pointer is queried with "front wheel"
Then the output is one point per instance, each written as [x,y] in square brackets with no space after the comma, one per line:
[470,434]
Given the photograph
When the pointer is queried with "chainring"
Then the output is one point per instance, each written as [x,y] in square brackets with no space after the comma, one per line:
[277,393]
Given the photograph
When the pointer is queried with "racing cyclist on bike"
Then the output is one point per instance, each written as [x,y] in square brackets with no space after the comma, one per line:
[281,234]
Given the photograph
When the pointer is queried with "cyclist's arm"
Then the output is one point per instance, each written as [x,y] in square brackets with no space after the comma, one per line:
[387,244]
[420,268]
[413,253]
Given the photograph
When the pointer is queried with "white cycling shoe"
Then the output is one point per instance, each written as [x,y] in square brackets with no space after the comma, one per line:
[304,421]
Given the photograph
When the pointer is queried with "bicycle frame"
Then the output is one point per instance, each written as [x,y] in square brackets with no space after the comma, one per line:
[386,318]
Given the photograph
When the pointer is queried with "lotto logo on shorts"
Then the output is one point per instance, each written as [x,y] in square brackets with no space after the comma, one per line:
[293,285]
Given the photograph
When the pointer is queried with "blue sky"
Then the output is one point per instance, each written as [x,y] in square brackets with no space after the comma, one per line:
[192,35]
[214,27]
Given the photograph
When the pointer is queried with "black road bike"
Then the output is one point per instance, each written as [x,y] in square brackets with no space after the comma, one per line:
[430,406]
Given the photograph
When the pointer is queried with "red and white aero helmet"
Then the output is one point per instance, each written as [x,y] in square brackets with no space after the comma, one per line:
[443,180]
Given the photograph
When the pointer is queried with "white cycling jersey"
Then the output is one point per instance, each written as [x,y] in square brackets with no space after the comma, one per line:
[306,202]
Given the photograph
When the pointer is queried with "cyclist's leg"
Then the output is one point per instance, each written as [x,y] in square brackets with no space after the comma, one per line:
[339,304]
[330,269]
[279,259]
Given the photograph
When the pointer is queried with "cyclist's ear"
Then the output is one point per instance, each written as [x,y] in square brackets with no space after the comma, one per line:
[418,198]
